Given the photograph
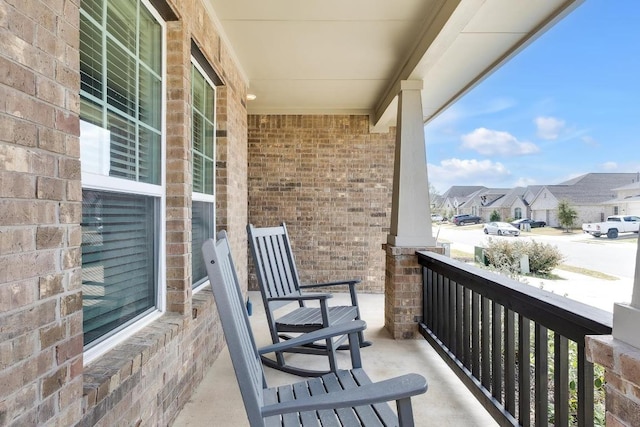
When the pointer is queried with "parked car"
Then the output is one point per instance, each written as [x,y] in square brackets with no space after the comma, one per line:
[465,219]
[436,218]
[532,223]
[501,229]
[614,225]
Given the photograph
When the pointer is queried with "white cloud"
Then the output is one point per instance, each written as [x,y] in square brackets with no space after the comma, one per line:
[590,141]
[467,172]
[549,127]
[492,142]
[609,166]
[525,182]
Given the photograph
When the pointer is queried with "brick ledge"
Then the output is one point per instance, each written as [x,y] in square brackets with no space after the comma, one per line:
[118,370]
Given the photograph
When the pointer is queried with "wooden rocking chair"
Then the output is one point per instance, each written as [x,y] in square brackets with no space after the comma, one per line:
[343,398]
[280,286]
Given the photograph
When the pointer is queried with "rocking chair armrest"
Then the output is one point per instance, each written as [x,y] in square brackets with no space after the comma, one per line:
[305,297]
[349,282]
[397,388]
[317,335]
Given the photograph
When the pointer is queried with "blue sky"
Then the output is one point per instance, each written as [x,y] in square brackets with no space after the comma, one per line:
[568,104]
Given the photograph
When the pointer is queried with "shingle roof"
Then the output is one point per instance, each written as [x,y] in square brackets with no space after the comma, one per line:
[591,188]
[462,191]
[510,196]
[621,200]
[629,186]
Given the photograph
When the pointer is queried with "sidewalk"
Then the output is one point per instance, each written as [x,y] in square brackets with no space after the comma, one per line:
[595,292]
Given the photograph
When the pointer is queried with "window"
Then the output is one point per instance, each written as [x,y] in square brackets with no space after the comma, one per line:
[121,102]
[203,113]
[616,210]
[517,213]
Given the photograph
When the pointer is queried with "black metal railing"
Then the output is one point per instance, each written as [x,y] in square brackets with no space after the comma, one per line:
[518,348]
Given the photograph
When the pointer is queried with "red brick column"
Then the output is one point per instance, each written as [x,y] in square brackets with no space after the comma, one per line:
[403,290]
[622,375]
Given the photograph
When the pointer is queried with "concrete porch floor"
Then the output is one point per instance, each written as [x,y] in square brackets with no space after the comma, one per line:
[217,401]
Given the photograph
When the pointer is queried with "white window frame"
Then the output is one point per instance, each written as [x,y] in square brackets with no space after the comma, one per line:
[92,181]
[202,197]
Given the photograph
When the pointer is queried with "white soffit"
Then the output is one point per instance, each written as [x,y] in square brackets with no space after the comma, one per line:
[347,57]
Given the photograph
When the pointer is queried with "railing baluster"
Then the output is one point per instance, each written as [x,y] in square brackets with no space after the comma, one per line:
[475,334]
[496,351]
[439,305]
[509,361]
[466,329]
[444,306]
[561,380]
[542,376]
[486,343]
[427,296]
[446,313]
[585,388]
[459,322]
[524,371]
[452,318]
[434,302]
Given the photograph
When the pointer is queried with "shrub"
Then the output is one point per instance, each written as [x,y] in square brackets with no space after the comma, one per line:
[543,257]
[505,256]
[495,216]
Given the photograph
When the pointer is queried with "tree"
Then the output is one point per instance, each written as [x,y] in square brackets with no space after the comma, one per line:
[433,194]
[495,216]
[566,215]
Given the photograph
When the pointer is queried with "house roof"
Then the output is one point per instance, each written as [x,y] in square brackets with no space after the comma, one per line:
[509,197]
[632,186]
[622,200]
[461,191]
[591,188]
[337,57]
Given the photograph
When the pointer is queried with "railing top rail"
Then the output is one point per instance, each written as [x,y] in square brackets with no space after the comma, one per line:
[570,318]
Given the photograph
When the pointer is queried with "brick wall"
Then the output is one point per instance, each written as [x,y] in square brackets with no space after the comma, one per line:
[147,379]
[40,210]
[153,374]
[622,377]
[330,180]
[404,291]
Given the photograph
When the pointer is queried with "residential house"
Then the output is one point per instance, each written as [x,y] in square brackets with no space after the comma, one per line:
[585,194]
[135,129]
[452,202]
[626,202]
[507,203]
[591,195]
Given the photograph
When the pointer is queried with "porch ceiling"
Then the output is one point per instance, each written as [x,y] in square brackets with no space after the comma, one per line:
[336,56]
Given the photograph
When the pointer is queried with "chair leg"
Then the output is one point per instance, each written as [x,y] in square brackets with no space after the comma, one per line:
[331,354]
[354,302]
[363,342]
[405,412]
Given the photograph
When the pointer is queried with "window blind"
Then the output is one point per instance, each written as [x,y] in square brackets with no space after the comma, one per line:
[203,149]
[201,229]
[118,260]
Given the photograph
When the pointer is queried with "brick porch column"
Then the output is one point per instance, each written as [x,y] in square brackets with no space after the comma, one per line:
[619,354]
[622,375]
[411,228]
[403,290]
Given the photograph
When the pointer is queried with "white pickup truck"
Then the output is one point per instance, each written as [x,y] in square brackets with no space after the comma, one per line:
[614,225]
